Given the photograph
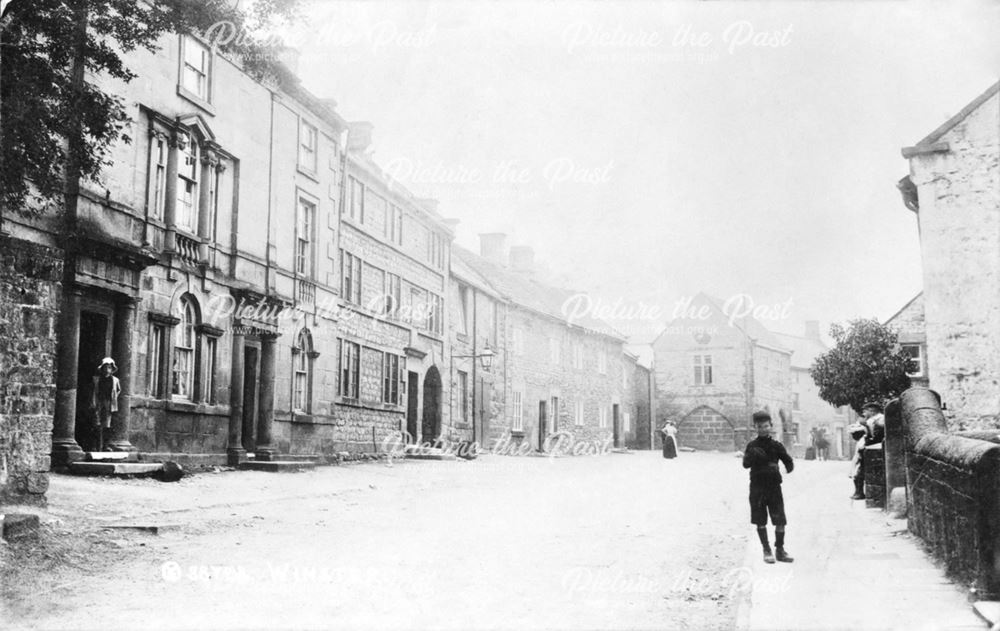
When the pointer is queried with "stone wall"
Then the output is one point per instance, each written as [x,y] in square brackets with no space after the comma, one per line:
[952,487]
[29,302]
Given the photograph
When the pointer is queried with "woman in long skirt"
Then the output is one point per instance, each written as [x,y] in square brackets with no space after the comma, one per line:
[669,440]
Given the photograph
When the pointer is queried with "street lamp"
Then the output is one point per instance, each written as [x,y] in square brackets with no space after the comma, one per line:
[485,358]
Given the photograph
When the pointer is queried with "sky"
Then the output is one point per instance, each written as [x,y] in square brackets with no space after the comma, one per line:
[648,151]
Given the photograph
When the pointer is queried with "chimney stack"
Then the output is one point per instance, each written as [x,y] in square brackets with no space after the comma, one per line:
[359,136]
[812,329]
[289,58]
[522,258]
[493,247]
[429,203]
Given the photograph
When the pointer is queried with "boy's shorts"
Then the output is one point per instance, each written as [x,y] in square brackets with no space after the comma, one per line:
[764,500]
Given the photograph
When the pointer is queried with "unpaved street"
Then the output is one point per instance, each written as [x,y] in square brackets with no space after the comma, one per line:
[613,541]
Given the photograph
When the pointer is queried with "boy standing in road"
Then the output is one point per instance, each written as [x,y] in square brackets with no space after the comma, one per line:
[761,456]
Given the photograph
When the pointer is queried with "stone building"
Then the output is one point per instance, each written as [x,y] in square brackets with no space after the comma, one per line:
[564,381]
[636,427]
[808,410]
[262,286]
[953,188]
[392,348]
[908,323]
[477,329]
[712,371]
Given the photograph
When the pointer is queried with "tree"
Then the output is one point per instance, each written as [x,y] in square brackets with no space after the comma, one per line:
[866,364]
[56,127]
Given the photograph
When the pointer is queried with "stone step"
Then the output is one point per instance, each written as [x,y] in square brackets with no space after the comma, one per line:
[186,460]
[111,456]
[116,469]
[315,458]
[276,466]
[427,453]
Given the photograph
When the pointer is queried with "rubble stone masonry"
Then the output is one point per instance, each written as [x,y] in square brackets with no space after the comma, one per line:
[959,220]
[29,295]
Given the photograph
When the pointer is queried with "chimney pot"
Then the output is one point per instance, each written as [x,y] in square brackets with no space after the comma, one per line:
[493,247]
[359,136]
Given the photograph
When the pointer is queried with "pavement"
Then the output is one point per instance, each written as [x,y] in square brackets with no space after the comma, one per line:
[854,568]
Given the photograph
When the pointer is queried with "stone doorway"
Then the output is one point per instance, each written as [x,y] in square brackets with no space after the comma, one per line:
[412,406]
[95,345]
[431,425]
[251,367]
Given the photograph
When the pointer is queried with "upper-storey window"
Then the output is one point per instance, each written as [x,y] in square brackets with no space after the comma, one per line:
[304,238]
[158,174]
[196,69]
[435,249]
[356,200]
[307,146]
[187,186]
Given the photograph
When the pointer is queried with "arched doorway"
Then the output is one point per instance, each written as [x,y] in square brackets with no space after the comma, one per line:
[704,428]
[431,424]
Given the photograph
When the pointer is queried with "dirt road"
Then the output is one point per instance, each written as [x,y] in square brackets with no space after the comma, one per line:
[615,541]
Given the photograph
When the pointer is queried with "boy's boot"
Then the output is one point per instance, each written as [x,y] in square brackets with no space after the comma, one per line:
[768,555]
[859,489]
[762,535]
[779,545]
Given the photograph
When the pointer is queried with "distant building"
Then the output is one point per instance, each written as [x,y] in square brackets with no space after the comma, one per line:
[638,416]
[908,323]
[954,190]
[713,372]
[563,378]
[809,412]
[477,329]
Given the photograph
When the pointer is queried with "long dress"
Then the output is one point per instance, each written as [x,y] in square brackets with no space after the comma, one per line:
[669,443]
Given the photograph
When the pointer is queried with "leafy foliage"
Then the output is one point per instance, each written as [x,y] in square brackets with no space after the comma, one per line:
[865,364]
[47,118]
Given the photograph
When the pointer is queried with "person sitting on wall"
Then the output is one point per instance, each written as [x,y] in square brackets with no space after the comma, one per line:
[874,423]
[859,434]
[104,399]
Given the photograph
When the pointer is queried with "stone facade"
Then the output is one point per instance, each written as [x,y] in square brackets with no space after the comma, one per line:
[566,384]
[712,372]
[266,289]
[909,325]
[638,397]
[477,325]
[955,172]
[29,292]
[209,266]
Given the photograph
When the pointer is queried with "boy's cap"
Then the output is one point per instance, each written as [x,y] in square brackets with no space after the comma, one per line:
[761,417]
[871,405]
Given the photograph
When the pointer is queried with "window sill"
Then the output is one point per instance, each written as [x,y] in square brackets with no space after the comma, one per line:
[310,174]
[368,405]
[188,95]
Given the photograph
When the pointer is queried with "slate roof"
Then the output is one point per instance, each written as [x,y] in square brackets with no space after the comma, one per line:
[527,292]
